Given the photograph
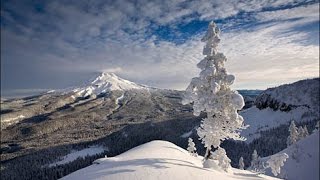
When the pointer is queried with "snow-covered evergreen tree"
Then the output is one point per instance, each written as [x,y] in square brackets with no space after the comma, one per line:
[241,163]
[255,161]
[300,133]
[211,93]
[276,162]
[221,155]
[305,130]
[317,127]
[294,134]
[191,147]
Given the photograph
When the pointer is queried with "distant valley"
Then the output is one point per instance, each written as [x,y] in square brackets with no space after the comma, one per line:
[113,115]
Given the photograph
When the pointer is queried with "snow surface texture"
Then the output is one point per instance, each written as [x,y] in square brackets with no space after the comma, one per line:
[79,154]
[157,160]
[260,120]
[104,83]
[303,161]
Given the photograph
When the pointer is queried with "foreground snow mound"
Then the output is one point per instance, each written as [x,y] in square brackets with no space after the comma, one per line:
[156,160]
[106,82]
[303,161]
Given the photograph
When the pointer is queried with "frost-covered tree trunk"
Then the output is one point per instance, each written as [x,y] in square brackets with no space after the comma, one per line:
[276,162]
[241,163]
[211,93]
[294,134]
[191,147]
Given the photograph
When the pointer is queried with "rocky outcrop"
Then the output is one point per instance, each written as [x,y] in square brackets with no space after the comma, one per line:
[267,101]
[304,93]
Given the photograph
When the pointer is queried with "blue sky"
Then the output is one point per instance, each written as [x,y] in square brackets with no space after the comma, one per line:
[57,44]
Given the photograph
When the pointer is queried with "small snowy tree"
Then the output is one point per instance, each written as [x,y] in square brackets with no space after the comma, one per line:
[300,133]
[294,135]
[276,162]
[306,132]
[254,159]
[303,132]
[255,162]
[211,93]
[317,127]
[191,147]
[221,155]
[241,163]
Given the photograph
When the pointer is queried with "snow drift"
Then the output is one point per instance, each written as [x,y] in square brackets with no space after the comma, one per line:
[156,160]
[303,161]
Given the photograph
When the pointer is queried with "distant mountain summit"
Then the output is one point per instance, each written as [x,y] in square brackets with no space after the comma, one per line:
[105,82]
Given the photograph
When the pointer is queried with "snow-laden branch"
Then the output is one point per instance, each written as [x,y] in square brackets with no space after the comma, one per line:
[276,162]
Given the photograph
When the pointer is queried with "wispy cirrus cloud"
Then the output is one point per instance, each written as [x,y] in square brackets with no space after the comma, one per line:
[60,43]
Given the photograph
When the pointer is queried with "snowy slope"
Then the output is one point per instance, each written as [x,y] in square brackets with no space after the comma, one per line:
[260,120]
[300,93]
[303,162]
[13,119]
[298,101]
[79,154]
[105,82]
[156,160]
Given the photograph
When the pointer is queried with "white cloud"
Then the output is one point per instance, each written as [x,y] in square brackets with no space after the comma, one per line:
[272,54]
[118,38]
[307,13]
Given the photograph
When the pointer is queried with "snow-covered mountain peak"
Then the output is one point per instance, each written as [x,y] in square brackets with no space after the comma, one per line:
[115,82]
[106,82]
[105,77]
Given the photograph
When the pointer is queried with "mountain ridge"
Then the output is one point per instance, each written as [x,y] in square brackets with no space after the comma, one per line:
[55,124]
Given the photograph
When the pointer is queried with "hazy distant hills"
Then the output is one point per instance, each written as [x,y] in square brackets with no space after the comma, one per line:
[107,90]
[109,111]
